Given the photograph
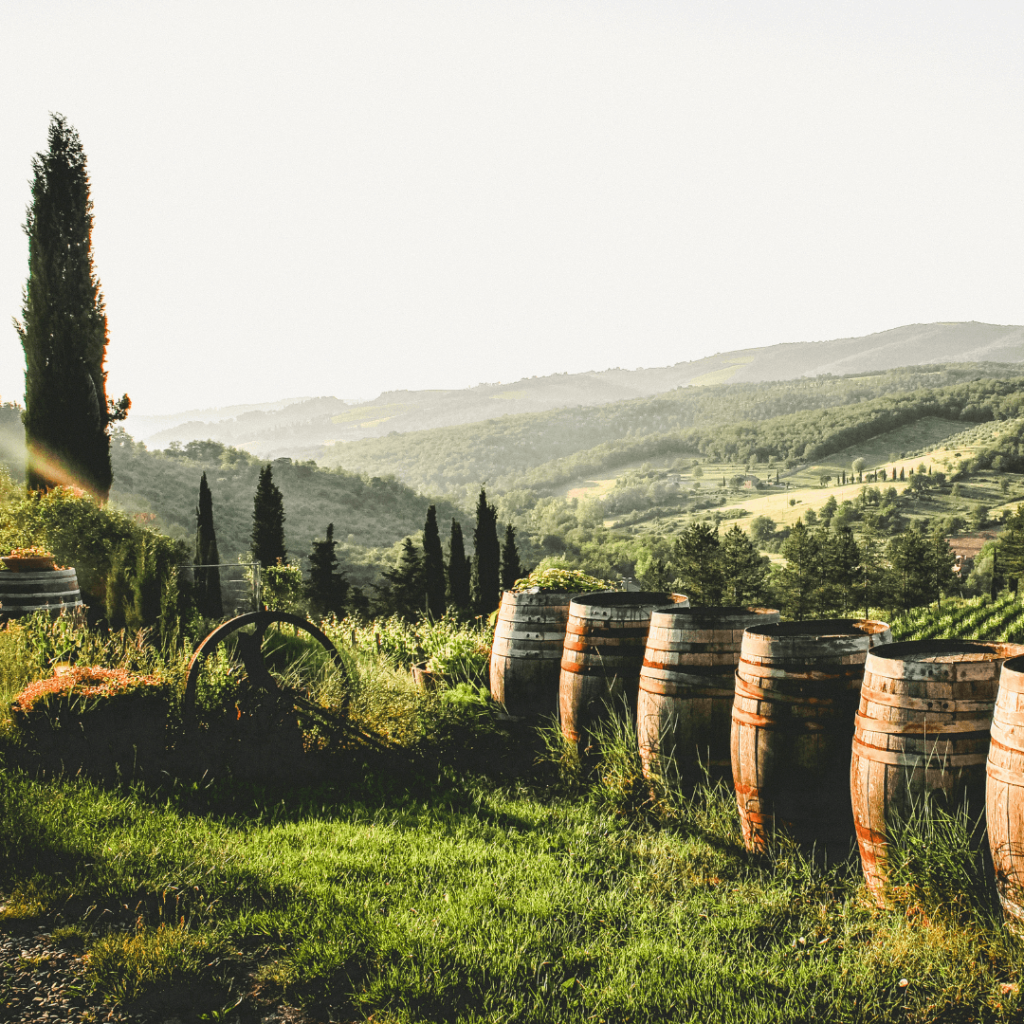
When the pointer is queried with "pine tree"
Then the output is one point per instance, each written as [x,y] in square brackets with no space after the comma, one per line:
[697,559]
[744,569]
[840,575]
[511,567]
[459,571]
[63,329]
[326,588]
[433,565]
[268,522]
[207,575]
[486,558]
[797,580]
[910,579]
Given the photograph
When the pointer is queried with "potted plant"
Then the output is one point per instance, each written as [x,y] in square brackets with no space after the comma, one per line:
[29,559]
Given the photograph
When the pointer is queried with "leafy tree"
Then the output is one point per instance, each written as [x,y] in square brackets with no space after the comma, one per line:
[696,557]
[486,558]
[459,570]
[63,329]
[511,567]
[942,563]
[433,565]
[326,588]
[268,522]
[744,570]
[207,575]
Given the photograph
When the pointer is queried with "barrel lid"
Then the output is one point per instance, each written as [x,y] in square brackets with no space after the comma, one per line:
[626,599]
[1014,664]
[819,628]
[948,652]
[711,618]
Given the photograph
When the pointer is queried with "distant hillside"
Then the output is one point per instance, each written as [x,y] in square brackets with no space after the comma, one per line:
[300,428]
[539,450]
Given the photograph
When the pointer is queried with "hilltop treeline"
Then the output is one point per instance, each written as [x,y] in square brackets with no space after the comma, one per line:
[535,450]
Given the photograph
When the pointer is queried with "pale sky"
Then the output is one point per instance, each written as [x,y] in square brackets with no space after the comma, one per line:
[341,198]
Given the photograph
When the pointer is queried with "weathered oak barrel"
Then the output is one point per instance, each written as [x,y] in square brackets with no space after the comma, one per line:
[797,689]
[602,655]
[527,652]
[922,733]
[687,685]
[1004,791]
[22,593]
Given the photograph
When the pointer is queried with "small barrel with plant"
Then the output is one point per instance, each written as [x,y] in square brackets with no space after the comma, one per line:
[602,656]
[30,583]
[687,685]
[528,636]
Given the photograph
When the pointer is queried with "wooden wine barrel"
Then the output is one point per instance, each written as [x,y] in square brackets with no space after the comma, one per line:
[22,593]
[602,655]
[527,652]
[797,689]
[922,732]
[1004,791]
[687,685]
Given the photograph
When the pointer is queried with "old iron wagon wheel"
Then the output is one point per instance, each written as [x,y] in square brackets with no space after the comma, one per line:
[250,650]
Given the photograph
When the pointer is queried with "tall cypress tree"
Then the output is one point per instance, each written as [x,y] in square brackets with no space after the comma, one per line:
[433,565]
[486,557]
[511,567]
[459,571]
[207,575]
[268,521]
[63,328]
[407,595]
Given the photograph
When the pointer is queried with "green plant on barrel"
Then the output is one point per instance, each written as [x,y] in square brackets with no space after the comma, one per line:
[572,581]
[94,716]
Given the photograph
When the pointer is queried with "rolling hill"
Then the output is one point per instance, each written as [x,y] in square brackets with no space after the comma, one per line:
[300,429]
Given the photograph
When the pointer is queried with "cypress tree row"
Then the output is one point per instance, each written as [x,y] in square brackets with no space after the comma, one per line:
[63,329]
[433,565]
[511,567]
[459,571]
[207,575]
[268,522]
[486,558]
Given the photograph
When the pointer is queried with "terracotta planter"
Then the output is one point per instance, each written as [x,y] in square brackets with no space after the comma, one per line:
[25,563]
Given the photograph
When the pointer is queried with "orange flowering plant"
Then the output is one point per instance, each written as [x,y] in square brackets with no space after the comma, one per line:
[77,691]
[30,552]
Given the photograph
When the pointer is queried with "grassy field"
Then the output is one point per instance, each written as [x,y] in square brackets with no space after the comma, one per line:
[470,870]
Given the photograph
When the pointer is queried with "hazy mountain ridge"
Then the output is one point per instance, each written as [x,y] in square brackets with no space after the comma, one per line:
[300,428]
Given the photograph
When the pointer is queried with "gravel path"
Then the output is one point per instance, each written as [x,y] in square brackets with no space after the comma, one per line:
[42,984]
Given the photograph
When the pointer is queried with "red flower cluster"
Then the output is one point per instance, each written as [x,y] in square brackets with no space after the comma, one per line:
[83,681]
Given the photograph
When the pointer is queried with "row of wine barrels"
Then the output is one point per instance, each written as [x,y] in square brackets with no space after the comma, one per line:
[687,686]
[602,656]
[527,652]
[797,691]
[54,590]
[1004,795]
[921,737]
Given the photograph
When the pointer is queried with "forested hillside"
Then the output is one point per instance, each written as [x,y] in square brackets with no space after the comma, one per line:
[518,451]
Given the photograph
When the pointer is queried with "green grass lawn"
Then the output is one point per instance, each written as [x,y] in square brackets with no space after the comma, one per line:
[470,870]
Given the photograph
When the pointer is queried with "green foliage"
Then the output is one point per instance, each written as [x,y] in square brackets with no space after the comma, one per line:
[562,579]
[697,555]
[403,590]
[511,567]
[268,522]
[744,570]
[63,329]
[282,588]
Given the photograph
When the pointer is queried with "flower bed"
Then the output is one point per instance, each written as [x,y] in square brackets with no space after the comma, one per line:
[94,718]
